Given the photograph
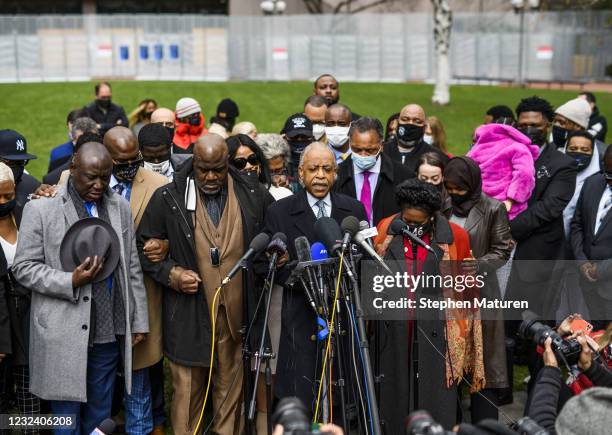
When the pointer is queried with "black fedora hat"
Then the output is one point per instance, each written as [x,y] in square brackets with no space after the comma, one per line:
[89,237]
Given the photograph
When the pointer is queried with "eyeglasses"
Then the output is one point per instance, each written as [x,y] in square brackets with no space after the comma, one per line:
[241,163]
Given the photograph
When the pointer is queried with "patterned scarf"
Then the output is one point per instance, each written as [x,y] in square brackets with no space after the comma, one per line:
[108,311]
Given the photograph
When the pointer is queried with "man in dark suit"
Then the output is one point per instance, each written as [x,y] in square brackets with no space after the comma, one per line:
[368,174]
[102,110]
[591,240]
[538,231]
[408,144]
[295,216]
[54,176]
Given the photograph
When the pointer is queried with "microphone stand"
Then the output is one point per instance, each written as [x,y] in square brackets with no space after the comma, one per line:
[264,355]
[363,344]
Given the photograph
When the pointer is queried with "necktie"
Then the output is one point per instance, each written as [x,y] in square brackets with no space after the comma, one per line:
[119,188]
[321,204]
[604,212]
[366,194]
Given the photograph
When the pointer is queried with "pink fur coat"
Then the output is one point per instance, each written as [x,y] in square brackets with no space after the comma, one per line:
[506,158]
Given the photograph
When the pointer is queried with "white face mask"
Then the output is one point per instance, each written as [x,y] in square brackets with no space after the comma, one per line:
[318,130]
[161,168]
[428,139]
[337,136]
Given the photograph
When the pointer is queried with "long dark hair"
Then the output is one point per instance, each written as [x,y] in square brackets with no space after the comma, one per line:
[235,142]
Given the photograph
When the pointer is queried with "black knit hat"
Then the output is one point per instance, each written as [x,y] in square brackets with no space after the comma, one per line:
[227,109]
[153,135]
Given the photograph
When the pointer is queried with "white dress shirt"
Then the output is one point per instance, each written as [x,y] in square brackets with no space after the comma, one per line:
[604,207]
[359,179]
[312,201]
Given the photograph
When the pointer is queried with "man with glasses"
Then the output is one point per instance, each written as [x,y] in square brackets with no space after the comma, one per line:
[14,153]
[408,145]
[368,174]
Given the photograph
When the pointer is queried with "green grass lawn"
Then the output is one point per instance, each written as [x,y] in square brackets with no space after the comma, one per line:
[38,110]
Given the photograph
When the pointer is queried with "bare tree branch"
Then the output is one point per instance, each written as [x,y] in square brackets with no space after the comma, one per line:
[371,5]
[342,4]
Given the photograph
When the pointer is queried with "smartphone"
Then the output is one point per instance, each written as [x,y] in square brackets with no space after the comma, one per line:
[581,325]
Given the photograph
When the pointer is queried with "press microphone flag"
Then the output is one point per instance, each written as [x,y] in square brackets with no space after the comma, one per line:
[107,427]
[318,251]
[363,242]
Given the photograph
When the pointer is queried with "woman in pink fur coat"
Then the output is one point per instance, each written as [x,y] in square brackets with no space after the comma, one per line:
[506,158]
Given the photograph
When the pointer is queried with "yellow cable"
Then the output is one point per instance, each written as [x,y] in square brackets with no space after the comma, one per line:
[212,354]
[329,337]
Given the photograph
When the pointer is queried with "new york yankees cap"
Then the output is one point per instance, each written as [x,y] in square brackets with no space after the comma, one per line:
[13,146]
[297,125]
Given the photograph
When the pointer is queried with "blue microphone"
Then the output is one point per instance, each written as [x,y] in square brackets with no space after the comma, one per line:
[318,251]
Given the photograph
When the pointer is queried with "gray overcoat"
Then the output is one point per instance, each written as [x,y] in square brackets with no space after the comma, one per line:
[60,315]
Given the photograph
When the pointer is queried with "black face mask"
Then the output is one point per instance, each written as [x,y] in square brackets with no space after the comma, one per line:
[194,120]
[559,136]
[125,172]
[408,133]
[537,136]
[458,199]
[104,102]
[582,160]
[420,230]
[17,173]
[171,131]
[297,146]
[7,208]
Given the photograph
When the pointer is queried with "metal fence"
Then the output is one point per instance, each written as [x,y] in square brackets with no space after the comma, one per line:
[562,46]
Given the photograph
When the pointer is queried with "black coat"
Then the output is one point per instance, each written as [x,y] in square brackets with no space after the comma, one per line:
[411,159]
[585,244]
[598,125]
[167,218]
[53,177]
[23,190]
[384,203]
[538,230]
[297,356]
[539,234]
[107,119]
[398,350]
[5,324]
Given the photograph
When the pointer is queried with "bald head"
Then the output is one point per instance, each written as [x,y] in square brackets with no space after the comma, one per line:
[121,143]
[91,170]
[315,150]
[210,163]
[413,111]
[164,116]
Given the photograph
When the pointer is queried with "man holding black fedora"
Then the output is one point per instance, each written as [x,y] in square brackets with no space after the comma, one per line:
[77,253]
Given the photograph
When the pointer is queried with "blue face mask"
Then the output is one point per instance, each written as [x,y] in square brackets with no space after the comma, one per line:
[365,163]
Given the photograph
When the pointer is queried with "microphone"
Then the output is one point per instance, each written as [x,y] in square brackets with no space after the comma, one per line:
[328,232]
[302,248]
[276,248]
[350,227]
[363,240]
[398,226]
[107,427]
[318,251]
[367,232]
[258,243]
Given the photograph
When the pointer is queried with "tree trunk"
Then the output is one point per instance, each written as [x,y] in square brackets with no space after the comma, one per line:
[443,20]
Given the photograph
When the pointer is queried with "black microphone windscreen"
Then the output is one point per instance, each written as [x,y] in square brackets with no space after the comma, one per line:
[396,227]
[328,232]
[350,224]
[278,244]
[259,242]
[302,249]
[107,426]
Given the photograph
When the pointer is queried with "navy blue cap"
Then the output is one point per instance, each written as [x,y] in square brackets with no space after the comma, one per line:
[297,125]
[13,146]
